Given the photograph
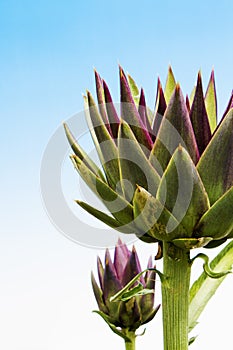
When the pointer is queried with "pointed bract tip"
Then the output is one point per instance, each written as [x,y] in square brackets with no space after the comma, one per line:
[134,250]
[170,69]
[122,74]
[180,148]
[199,78]
[150,262]
[107,256]
[160,88]
[105,84]
[178,88]
[119,242]
[212,74]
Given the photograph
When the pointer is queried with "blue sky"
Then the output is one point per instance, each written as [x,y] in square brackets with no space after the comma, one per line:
[48,51]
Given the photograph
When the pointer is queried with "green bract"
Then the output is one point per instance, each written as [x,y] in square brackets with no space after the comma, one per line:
[167,174]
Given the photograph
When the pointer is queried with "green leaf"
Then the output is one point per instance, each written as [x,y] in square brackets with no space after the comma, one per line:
[216,163]
[116,204]
[205,287]
[170,85]
[126,288]
[108,220]
[131,293]
[138,290]
[182,192]
[135,293]
[217,222]
[112,326]
[134,90]
[82,154]
[104,143]
[175,129]
[135,168]
[211,102]
[210,273]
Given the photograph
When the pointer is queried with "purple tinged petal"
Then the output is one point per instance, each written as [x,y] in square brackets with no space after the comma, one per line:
[150,263]
[100,272]
[132,268]
[121,256]
[188,103]
[160,109]
[112,113]
[199,118]
[161,105]
[143,111]
[112,284]
[131,115]
[101,100]
[107,150]
[98,294]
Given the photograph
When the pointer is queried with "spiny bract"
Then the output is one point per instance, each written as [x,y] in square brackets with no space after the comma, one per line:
[167,174]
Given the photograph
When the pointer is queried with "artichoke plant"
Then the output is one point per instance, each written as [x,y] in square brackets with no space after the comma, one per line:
[166,176]
[126,315]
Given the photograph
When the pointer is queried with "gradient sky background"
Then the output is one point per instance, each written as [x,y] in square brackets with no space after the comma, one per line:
[48,51]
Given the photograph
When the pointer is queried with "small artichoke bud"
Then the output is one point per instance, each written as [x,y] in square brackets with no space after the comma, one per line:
[135,311]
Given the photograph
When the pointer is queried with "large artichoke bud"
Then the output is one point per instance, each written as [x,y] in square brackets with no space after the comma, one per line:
[130,312]
[167,174]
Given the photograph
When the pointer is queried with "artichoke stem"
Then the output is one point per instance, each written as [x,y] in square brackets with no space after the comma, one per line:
[175,297]
[130,345]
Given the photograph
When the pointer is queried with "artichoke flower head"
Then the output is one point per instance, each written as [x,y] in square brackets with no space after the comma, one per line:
[167,174]
[131,312]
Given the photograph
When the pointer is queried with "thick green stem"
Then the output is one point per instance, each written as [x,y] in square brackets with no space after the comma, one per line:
[175,297]
[130,345]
